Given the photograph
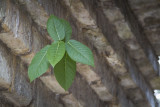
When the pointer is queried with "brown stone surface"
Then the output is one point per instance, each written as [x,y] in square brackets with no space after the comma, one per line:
[6,71]
[75,32]
[139,34]
[18,88]
[16,26]
[123,36]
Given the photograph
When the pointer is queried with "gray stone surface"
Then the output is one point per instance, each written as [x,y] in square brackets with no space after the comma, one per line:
[85,94]
[6,73]
[124,62]
[16,26]
[139,34]
[109,31]
[18,88]
[44,97]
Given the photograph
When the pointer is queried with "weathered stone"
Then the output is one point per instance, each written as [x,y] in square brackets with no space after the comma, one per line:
[39,41]
[153,36]
[137,31]
[70,101]
[19,27]
[84,94]
[19,90]
[145,68]
[80,13]
[125,102]
[36,46]
[149,18]
[87,73]
[141,104]
[48,10]
[112,58]
[142,83]
[135,96]
[44,97]
[35,10]
[109,83]
[53,85]
[109,31]
[94,80]
[20,93]
[123,29]
[155,83]
[4,103]
[102,91]
[127,36]
[147,13]
[127,82]
[103,47]
[6,72]
[112,12]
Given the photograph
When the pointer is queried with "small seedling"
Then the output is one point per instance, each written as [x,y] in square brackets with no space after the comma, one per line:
[62,54]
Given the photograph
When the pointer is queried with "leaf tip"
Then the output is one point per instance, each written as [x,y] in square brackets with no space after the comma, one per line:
[66,89]
[31,80]
[93,65]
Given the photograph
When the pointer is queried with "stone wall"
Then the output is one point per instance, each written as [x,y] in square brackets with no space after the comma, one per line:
[126,68]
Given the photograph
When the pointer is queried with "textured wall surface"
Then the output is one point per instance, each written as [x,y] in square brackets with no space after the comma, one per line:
[124,36]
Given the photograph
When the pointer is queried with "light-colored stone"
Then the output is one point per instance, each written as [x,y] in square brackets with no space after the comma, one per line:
[87,73]
[78,11]
[127,82]
[36,10]
[5,69]
[18,88]
[50,81]
[102,92]
[112,12]
[70,101]
[155,83]
[19,27]
[93,85]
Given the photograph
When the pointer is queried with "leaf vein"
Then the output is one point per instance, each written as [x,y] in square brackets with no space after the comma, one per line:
[78,51]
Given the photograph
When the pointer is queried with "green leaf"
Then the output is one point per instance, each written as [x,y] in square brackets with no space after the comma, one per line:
[67,29]
[39,64]
[55,28]
[56,52]
[79,52]
[65,71]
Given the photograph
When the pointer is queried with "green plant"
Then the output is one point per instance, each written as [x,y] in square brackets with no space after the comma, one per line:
[62,54]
